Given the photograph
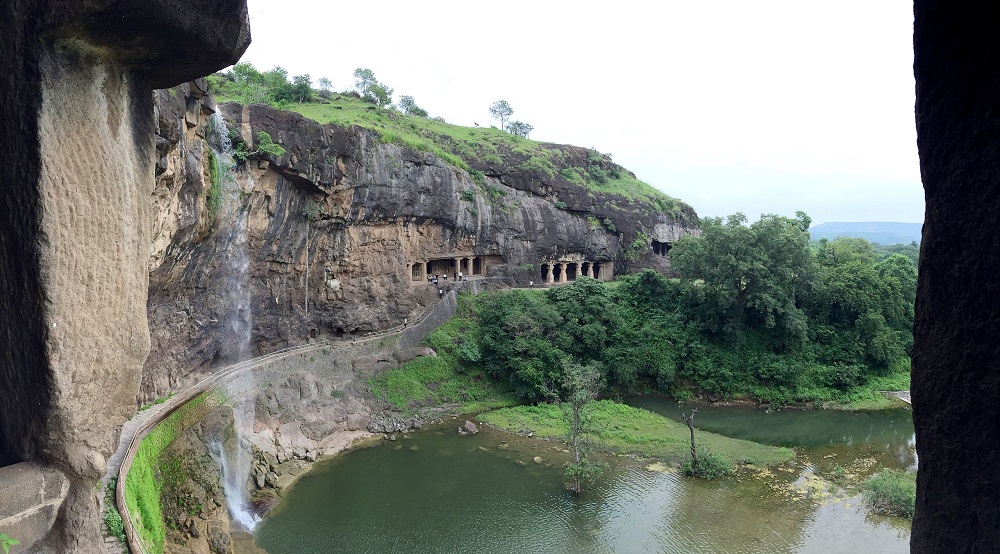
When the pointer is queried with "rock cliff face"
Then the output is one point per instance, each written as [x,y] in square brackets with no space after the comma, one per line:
[344,231]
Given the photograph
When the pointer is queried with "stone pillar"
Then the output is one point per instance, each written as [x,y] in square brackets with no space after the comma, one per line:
[548,274]
[470,263]
[562,273]
[423,272]
[955,380]
[590,270]
[77,175]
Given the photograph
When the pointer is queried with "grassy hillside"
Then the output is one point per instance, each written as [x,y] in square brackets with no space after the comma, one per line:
[488,150]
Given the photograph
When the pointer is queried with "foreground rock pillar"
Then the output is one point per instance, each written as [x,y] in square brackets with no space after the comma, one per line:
[956,377]
[77,140]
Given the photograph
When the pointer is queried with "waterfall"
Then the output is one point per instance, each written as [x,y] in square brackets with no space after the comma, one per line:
[234,261]
[234,455]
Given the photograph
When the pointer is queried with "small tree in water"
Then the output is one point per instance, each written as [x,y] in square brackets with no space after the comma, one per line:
[711,465]
[581,384]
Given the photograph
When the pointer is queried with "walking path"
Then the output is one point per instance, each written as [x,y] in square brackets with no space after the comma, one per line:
[903,395]
[136,428]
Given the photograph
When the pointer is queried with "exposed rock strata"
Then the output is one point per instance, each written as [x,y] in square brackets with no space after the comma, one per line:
[336,226]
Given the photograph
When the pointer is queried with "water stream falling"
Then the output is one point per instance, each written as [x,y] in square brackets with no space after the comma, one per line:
[234,455]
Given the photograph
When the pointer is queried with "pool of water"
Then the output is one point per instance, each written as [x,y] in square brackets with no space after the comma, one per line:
[886,435]
[436,491]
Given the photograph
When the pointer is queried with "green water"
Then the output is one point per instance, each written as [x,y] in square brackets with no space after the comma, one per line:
[436,491]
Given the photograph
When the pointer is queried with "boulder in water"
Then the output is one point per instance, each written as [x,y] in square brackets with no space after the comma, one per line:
[468,428]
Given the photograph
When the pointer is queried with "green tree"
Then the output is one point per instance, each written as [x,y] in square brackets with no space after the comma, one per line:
[580,385]
[501,110]
[845,249]
[862,310]
[520,128]
[244,73]
[763,270]
[380,95]
[302,88]
[588,316]
[279,90]
[370,89]
[410,107]
[519,336]
[325,87]
[364,78]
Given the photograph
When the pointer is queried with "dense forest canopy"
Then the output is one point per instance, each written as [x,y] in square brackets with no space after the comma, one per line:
[758,311]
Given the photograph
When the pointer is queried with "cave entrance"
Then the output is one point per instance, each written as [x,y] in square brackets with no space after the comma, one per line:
[661,248]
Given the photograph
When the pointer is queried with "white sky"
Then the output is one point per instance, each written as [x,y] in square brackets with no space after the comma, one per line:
[761,107]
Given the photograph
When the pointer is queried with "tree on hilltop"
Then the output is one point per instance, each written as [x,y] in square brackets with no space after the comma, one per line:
[370,89]
[410,107]
[520,128]
[302,88]
[325,87]
[501,111]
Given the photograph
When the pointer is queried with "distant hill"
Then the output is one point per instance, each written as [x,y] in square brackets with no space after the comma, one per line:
[882,232]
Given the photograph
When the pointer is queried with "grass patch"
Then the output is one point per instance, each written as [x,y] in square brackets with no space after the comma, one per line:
[891,492]
[628,430]
[432,382]
[450,378]
[710,466]
[144,485]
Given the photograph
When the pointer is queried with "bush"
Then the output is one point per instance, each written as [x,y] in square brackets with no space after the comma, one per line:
[478,177]
[113,519]
[468,195]
[710,466]
[891,492]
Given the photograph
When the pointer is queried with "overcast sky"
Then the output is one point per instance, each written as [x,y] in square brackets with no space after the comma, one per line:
[759,107]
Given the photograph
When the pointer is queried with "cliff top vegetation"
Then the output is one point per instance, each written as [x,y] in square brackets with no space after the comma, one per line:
[481,151]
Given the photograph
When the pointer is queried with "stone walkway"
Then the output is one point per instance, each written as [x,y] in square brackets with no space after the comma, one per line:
[903,395]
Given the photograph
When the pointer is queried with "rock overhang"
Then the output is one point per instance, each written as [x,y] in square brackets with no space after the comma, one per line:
[175,41]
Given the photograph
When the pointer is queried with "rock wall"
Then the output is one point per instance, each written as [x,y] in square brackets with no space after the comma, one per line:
[339,227]
[956,381]
[76,138]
